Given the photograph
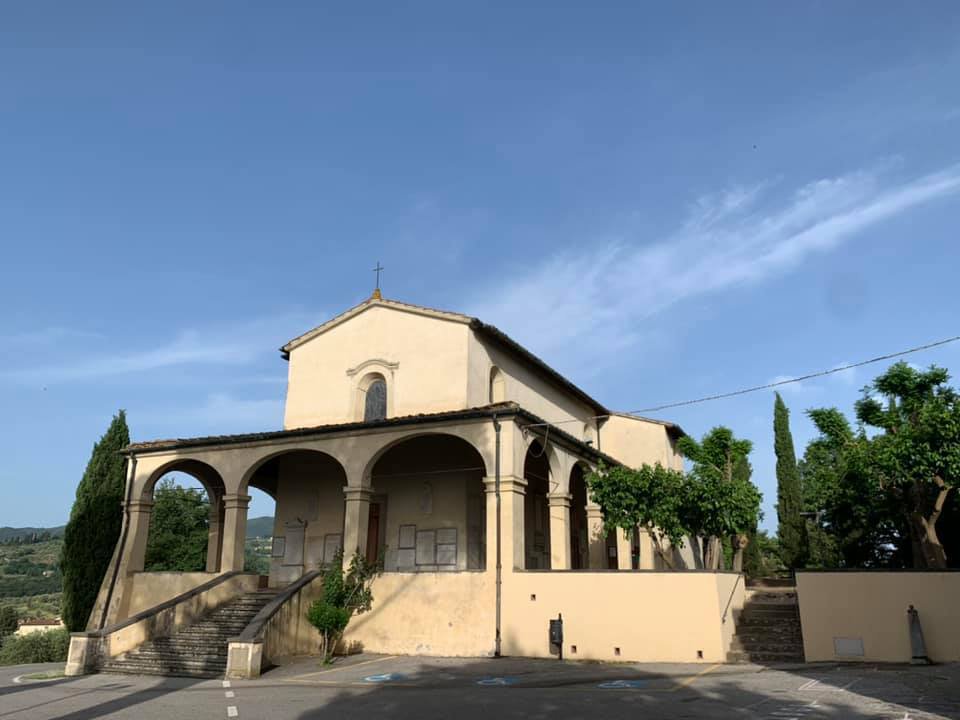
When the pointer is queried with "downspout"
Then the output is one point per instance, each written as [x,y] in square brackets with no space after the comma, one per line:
[496,486]
[131,474]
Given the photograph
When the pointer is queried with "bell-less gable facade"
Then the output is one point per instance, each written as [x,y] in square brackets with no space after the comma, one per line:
[434,442]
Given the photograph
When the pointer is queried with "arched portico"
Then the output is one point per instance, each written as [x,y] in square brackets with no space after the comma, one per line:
[427,508]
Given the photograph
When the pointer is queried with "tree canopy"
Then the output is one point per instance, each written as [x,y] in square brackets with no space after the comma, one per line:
[178,529]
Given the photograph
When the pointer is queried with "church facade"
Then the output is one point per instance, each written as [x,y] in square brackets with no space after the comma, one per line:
[435,443]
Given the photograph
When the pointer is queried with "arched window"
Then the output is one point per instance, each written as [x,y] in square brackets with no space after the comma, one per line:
[375,402]
[498,391]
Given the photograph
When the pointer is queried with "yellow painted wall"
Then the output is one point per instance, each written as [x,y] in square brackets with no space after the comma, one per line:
[430,377]
[523,386]
[439,614]
[635,441]
[873,606]
[147,589]
[650,616]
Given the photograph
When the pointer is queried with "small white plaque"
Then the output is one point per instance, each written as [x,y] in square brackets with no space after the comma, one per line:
[426,547]
[408,536]
[331,545]
[848,646]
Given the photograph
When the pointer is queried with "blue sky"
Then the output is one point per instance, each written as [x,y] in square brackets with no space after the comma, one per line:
[663,202]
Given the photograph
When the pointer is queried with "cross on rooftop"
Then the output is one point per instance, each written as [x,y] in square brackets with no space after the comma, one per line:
[378,269]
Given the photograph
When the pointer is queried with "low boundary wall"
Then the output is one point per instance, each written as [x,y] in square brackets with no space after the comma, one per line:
[88,650]
[855,615]
[640,616]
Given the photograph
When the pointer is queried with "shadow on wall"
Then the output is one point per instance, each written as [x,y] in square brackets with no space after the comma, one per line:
[529,688]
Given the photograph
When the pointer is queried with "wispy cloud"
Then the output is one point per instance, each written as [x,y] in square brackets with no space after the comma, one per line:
[226,346]
[218,413]
[602,293]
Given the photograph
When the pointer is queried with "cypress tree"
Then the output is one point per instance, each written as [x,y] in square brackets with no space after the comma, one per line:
[790,523]
[91,534]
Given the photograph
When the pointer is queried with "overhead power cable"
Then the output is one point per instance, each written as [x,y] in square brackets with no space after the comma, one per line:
[801,378]
[778,383]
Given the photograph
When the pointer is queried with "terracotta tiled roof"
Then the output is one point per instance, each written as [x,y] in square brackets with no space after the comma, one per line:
[504,410]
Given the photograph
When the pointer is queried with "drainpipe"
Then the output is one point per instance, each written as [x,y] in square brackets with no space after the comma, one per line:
[131,474]
[496,486]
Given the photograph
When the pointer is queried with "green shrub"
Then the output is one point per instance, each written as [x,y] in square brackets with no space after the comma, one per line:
[37,647]
[344,593]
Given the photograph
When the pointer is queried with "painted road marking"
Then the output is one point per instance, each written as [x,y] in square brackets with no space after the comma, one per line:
[496,681]
[232,711]
[384,677]
[226,683]
[622,684]
[229,694]
[344,667]
[689,680]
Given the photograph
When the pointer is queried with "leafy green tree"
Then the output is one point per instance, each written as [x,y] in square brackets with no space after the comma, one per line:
[36,647]
[762,556]
[915,458]
[791,526]
[652,497]
[8,620]
[178,529]
[720,501]
[344,595]
[94,527]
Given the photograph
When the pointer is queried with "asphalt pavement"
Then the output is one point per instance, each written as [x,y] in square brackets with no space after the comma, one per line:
[486,689]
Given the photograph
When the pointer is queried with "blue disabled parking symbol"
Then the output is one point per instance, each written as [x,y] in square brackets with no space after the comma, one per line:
[496,681]
[622,684]
[385,677]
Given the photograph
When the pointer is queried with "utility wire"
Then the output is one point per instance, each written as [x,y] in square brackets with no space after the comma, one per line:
[821,373]
[767,386]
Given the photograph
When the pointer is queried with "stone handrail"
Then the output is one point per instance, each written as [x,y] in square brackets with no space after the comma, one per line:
[88,650]
[274,631]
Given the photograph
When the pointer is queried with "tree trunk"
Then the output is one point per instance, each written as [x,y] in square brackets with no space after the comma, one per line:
[924,530]
[711,556]
[658,546]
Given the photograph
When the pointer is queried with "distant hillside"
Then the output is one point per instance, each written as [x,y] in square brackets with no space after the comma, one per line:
[260,527]
[256,527]
[8,533]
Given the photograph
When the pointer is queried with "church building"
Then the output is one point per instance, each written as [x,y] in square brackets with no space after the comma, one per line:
[435,443]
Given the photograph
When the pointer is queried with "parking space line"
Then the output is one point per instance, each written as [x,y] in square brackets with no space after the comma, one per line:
[693,678]
[344,667]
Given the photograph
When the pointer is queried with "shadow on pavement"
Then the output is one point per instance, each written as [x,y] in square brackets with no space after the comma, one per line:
[495,689]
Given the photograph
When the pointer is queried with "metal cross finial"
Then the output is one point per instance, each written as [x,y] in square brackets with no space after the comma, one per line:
[378,269]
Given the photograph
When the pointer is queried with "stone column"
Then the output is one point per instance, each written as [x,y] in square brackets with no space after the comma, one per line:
[137,533]
[512,537]
[215,534]
[624,542]
[596,538]
[356,521]
[647,561]
[234,531]
[560,550]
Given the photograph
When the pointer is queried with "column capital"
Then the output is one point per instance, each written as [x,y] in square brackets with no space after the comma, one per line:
[355,494]
[559,499]
[595,512]
[235,501]
[508,483]
[139,506]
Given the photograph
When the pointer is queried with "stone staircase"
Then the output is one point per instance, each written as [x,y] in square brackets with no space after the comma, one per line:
[768,629]
[198,650]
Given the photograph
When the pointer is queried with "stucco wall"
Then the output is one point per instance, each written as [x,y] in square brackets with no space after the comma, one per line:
[431,357]
[439,614]
[649,616]
[872,607]
[523,386]
[147,589]
[635,441]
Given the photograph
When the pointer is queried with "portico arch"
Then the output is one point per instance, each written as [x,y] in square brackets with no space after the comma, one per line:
[427,507]
[212,483]
[308,487]
[536,507]
[579,528]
